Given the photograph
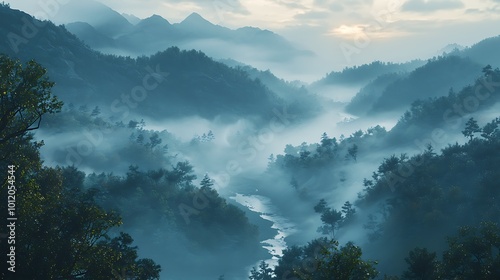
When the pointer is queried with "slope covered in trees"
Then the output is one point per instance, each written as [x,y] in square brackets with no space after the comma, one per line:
[396,93]
[59,230]
[69,219]
[366,72]
[471,253]
[171,83]
[409,201]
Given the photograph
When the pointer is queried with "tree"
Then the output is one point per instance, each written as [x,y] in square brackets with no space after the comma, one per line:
[140,139]
[154,140]
[325,140]
[24,97]
[206,182]
[322,259]
[122,261]
[292,260]
[264,272]
[471,127]
[132,124]
[321,206]
[488,70]
[474,253]
[489,130]
[353,151]
[348,211]
[422,265]
[65,234]
[331,218]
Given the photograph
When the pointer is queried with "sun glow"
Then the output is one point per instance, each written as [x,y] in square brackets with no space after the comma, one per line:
[347,31]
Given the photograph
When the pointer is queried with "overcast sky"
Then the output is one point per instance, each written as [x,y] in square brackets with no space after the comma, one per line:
[342,32]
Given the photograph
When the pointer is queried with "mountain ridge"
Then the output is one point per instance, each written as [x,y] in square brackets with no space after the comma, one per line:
[153,34]
[196,84]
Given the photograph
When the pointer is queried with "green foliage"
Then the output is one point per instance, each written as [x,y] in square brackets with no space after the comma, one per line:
[322,259]
[367,72]
[65,234]
[25,95]
[428,81]
[308,164]
[474,253]
[186,82]
[429,194]
[61,231]
[471,127]
[331,218]
[353,151]
[362,102]
[168,198]
[348,212]
[422,265]
[490,131]
[445,111]
[263,273]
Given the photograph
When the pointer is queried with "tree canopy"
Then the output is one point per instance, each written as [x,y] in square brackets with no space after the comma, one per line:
[62,232]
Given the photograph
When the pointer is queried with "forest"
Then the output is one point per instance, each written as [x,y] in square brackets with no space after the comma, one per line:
[416,196]
[220,170]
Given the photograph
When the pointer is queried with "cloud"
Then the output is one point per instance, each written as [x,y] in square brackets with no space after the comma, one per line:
[349,30]
[430,6]
[315,15]
[365,32]
[231,6]
[330,5]
[289,4]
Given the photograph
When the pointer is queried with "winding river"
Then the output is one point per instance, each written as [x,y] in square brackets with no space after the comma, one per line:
[266,210]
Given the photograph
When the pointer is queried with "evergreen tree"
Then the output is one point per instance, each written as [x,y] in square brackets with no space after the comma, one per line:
[471,127]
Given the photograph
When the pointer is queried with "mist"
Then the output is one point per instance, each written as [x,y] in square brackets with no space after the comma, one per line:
[230,151]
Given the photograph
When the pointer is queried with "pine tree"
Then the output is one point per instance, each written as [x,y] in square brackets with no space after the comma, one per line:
[471,127]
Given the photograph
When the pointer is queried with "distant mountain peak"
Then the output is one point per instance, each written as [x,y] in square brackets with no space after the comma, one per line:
[104,19]
[157,19]
[195,19]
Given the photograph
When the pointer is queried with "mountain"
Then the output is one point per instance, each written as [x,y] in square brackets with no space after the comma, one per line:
[370,93]
[153,22]
[195,24]
[101,17]
[454,69]
[431,80]
[396,92]
[485,52]
[151,34]
[392,87]
[131,18]
[295,93]
[90,35]
[155,33]
[172,83]
[360,75]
